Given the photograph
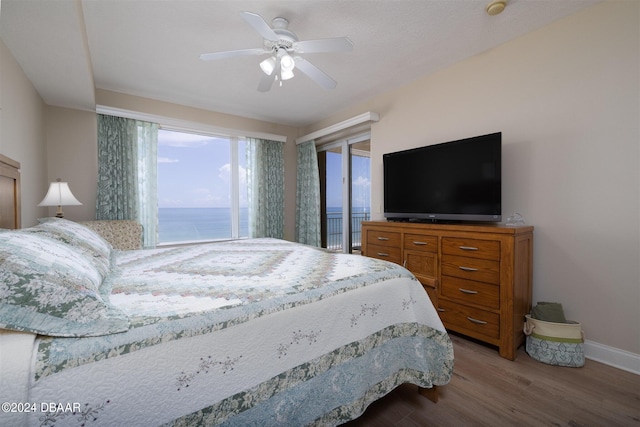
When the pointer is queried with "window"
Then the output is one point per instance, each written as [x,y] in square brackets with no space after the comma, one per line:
[202,191]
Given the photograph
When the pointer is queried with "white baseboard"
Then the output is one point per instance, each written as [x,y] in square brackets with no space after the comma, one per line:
[612,356]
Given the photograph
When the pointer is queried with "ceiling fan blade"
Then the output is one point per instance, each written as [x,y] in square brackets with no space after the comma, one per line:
[339,44]
[316,74]
[232,54]
[266,81]
[260,25]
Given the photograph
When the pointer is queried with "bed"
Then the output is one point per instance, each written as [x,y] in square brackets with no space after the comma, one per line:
[254,332]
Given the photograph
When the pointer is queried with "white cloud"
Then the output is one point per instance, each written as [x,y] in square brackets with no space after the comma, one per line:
[225,174]
[167,160]
[361,181]
[243,176]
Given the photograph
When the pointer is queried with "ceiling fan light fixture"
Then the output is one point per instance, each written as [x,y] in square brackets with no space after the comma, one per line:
[279,43]
[286,74]
[287,63]
[268,65]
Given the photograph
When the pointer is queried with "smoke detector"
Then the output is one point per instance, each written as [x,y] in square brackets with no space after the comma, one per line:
[496,7]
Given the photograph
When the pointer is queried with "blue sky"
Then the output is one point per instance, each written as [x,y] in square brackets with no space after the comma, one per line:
[360,183]
[194,172]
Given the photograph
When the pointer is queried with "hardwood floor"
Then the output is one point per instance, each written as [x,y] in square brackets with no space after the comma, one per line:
[487,390]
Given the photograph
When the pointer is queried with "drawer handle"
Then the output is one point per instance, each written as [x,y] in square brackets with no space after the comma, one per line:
[420,243]
[468,248]
[467,291]
[440,309]
[383,238]
[479,322]
[382,254]
[468,268]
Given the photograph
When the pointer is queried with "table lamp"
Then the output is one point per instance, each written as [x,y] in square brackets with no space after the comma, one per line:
[59,195]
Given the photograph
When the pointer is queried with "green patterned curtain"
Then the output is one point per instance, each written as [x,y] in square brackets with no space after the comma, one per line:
[308,195]
[265,182]
[127,173]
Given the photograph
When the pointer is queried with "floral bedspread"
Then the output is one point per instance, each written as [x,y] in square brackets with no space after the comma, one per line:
[251,332]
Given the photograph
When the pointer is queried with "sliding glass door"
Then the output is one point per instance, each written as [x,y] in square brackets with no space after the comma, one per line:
[345,190]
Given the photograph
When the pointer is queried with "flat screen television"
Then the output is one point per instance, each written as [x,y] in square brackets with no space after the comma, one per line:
[454,181]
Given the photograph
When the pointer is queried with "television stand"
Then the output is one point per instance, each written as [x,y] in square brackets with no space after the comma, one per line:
[479,277]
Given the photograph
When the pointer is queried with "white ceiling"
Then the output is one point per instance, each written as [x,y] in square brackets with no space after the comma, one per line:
[151,48]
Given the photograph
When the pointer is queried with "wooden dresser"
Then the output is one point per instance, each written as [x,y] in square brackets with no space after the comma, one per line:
[479,277]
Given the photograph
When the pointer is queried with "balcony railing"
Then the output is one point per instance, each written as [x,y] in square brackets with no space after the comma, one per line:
[334,230]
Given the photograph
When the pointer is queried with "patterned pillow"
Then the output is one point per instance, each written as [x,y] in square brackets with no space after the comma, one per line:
[86,241]
[48,288]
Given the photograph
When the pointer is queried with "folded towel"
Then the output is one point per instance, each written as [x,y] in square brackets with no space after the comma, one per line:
[549,312]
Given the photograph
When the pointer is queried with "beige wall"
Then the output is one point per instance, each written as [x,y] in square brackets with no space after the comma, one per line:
[567,101]
[72,156]
[23,135]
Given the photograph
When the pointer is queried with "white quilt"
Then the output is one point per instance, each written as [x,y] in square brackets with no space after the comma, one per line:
[248,333]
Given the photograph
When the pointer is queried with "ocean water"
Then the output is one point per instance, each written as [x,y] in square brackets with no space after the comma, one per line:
[192,224]
[334,226]
[189,224]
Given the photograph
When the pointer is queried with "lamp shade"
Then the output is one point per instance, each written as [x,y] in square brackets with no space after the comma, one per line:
[59,195]
[287,63]
[286,74]
[268,65]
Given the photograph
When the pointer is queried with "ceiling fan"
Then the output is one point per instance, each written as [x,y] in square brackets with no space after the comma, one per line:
[284,49]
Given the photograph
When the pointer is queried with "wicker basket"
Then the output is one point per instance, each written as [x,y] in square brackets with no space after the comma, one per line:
[560,344]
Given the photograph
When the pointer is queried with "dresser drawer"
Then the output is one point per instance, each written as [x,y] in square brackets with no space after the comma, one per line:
[470,321]
[471,268]
[474,248]
[421,263]
[383,238]
[420,242]
[471,292]
[387,253]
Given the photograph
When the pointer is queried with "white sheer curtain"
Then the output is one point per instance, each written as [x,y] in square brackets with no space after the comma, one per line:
[308,195]
[265,182]
[148,181]
[127,173]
